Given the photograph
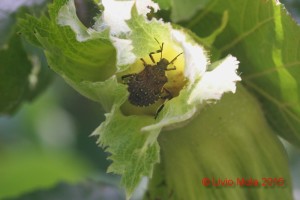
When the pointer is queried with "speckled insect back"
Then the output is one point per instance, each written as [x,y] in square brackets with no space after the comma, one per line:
[148,86]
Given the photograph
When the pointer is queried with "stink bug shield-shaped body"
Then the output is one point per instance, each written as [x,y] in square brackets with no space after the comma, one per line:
[147,86]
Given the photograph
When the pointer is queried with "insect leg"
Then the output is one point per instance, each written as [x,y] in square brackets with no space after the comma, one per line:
[174,68]
[158,110]
[167,97]
[158,51]
[168,94]
[144,62]
[127,76]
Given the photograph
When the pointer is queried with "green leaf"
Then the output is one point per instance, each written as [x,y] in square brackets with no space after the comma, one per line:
[24,74]
[144,34]
[267,47]
[6,28]
[164,4]
[229,140]
[10,12]
[132,156]
[91,59]
[184,10]
[24,71]
[14,72]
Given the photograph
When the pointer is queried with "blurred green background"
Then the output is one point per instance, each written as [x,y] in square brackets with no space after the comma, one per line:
[47,142]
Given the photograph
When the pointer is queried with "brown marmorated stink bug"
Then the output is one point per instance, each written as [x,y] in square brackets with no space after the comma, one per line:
[147,86]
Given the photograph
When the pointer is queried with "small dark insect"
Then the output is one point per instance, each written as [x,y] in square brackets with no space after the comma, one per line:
[147,86]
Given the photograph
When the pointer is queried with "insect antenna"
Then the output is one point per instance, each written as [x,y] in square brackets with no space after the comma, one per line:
[161,50]
[175,58]
[161,47]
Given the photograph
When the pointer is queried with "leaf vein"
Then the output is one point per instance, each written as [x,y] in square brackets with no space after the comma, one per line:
[271,70]
[245,34]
